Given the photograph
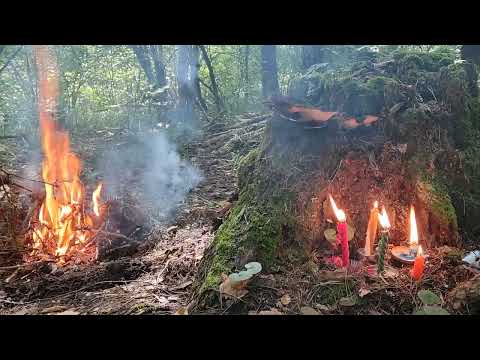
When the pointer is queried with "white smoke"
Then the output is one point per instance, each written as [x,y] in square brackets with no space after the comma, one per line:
[153,166]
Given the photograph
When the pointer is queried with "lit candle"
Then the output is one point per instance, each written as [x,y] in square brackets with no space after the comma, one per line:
[413,231]
[342,236]
[371,230]
[419,265]
[383,242]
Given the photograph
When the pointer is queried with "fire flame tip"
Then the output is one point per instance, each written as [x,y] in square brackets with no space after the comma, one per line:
[339,214]
[413,227]
[419,251]
[383,219]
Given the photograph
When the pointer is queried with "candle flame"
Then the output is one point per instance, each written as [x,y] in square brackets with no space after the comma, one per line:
[383,219]
[419,251]
[340,214]
[375,204]
[413,228]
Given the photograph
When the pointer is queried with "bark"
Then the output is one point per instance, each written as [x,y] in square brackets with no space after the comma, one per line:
[144,61]
[269,71]
[195,66]
[471,53]
[213,81]
[157,56]
[247,80]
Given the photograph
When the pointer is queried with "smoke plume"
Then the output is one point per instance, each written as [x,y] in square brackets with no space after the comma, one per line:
[151,170]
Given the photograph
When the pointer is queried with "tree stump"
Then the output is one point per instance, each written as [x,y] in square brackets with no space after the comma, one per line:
[415,154]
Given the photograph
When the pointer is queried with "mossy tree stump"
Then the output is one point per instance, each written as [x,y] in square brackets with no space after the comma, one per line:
[420,152]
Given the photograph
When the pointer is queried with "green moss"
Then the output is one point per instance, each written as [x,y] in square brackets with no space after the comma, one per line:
[441,204]
[255,226]
[409,61]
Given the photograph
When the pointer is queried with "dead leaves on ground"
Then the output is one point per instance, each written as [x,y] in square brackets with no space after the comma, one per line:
[234,289]
[235,284]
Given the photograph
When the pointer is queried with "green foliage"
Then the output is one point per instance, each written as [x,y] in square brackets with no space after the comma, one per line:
[429,298]
[104,85]
[431,304]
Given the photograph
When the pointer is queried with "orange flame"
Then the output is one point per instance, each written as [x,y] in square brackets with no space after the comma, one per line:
[413,228]
[96,199]
[420,251]
[340,214]
[383,219]
[62,217]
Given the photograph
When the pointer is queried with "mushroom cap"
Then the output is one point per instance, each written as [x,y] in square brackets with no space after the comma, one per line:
[253,267]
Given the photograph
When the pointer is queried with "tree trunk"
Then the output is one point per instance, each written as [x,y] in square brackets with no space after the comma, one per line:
[157,56]
[195,66]
[269,71]
[213,81]
[144,61]
[247,80]
[311,55]
[471,53]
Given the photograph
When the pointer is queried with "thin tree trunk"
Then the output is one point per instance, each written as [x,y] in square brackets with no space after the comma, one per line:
[213,81]
[144,61]
[195,65]
[311,55]
[247,80]
[471,53]
[186,91]
[157,56]
[269,71]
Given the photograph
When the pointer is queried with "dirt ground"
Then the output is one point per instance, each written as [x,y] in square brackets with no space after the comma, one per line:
[157,277]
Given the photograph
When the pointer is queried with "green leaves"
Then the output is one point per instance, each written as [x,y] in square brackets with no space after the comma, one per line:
[431,304]
[431,310]
[331,234]
[429,298]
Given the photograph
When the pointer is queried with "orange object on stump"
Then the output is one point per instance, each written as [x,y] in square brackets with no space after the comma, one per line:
[419,265]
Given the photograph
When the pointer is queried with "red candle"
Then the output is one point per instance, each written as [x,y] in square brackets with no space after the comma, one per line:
[419,265]
[342,235]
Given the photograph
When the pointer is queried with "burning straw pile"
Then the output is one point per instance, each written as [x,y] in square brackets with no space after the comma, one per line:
[64,221]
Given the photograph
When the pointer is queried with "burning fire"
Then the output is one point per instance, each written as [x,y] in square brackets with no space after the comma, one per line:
[340,214]
[413,228]
[63,220]
[383,219]
[420,251]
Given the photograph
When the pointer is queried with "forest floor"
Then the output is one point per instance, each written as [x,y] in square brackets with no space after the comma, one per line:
[158,277]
